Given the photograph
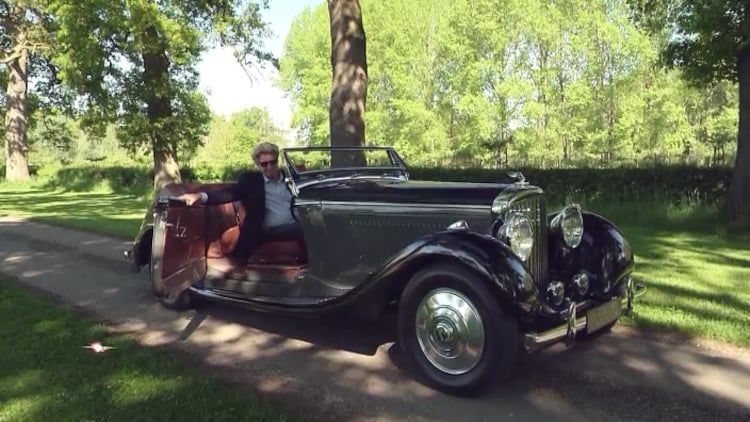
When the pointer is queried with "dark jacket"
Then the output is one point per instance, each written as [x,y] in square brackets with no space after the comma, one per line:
[250,191]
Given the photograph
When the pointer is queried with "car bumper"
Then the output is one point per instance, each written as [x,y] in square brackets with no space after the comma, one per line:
[594,319]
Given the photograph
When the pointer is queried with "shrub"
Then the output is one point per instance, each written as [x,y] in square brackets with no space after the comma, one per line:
[677,185]
[87,177]
[33,170]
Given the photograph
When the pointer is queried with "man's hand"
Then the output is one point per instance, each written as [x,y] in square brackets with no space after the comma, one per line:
[190,199]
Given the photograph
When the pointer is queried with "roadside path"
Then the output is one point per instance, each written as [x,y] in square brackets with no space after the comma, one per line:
[341,371]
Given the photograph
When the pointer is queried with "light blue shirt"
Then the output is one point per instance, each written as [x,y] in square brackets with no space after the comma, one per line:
[278,200]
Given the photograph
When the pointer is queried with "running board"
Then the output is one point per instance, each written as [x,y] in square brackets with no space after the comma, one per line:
[219,295]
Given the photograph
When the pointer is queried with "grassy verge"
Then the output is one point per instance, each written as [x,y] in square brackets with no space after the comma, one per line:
[696,272]
[48,375]
[698,283]
[100,211]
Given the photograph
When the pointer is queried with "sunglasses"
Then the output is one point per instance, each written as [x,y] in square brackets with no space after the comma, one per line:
[265,164]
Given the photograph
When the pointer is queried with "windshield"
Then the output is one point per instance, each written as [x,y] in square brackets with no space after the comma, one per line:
[343,161]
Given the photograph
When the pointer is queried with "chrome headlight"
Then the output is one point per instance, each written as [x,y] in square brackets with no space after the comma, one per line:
[570,223]
[518,232]
[499,205]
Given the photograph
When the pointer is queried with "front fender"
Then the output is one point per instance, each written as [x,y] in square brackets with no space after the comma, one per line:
[604,254]
[486,256]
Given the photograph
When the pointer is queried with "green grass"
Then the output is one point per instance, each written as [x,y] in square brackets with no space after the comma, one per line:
[48,375]
[100,211]
[698,283]
[695,218]
[698,275]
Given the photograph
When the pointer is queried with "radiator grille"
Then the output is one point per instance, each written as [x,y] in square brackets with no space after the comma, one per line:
[535,209]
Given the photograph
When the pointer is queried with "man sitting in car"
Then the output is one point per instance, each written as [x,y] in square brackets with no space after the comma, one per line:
[266,199]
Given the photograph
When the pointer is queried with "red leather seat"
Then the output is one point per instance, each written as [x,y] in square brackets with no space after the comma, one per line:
[278,252]
[223,233]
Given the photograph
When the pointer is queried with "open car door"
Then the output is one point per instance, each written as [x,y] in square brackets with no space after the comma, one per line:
[178,251]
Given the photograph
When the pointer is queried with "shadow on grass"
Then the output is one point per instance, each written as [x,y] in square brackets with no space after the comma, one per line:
[49,375]
[697,283]
[694,299]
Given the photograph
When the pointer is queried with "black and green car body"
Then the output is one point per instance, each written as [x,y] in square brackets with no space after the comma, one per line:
[476,272]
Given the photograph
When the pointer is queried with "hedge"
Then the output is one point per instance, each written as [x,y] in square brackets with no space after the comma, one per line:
[672,184]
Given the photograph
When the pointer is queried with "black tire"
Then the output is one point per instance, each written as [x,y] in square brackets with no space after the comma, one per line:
[501,336]
[182,302]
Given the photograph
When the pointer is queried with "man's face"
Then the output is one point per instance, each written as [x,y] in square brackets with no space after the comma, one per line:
[269,164]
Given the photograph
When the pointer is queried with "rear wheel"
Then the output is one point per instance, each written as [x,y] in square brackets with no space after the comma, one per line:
[454,331]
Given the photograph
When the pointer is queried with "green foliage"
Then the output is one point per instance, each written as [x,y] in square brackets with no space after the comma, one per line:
[677,185]
[131,64]
[230,141]
[125,179]
[673,185]
[51,139]
[306,77]
[504,82]
[88,177]
[108,57]
[708,36]
[104,45]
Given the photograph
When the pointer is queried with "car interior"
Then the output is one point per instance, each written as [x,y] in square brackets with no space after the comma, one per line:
[276,259]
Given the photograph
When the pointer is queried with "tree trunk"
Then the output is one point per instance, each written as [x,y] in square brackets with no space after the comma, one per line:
[738,196]
[349,83]
[16,117]
[159,109]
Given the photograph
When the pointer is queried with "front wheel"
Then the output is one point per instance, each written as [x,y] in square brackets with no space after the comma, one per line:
[453,330]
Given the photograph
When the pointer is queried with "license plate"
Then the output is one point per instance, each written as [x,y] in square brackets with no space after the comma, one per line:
[602,315]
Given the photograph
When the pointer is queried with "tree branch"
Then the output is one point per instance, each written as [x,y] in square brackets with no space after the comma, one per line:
[15,53]
[9,57]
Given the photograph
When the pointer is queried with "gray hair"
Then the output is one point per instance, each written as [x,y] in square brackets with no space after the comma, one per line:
[265,148]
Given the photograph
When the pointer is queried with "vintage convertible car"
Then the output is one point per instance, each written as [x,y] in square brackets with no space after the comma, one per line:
[475,271]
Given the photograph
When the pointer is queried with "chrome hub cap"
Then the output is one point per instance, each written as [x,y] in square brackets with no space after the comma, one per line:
[450,331]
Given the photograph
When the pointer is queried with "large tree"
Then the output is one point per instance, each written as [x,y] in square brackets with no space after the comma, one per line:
[133,62]
[349,82]
[711,43]
[24,32]
[490,82]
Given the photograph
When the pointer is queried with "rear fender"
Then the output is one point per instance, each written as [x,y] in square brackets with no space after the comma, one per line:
[486,256]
